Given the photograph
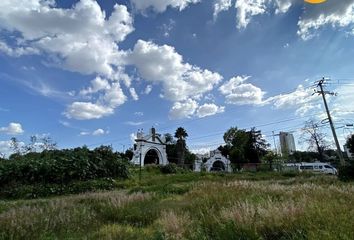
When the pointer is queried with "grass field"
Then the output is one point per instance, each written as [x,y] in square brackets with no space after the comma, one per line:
[192,206]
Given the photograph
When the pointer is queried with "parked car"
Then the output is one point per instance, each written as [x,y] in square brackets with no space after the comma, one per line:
[319,167]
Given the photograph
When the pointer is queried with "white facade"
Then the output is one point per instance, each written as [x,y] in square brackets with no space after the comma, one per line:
[349,154]
[216,162]
[145,143]
[287,143]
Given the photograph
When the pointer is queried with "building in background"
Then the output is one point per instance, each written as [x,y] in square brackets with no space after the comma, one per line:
[349,154]
[287,143]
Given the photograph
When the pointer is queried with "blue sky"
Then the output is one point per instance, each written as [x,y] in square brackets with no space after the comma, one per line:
[94,72]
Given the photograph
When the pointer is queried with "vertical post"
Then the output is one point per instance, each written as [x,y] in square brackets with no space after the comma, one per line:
[339,151]
[140,169]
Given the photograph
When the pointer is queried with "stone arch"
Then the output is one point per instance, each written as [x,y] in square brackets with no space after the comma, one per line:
[218,166]
[152,156]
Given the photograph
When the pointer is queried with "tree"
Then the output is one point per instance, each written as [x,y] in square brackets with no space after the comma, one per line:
[244,146]
[316,140]
[350,144]
[15,146]
[31,147]
[47,143]
[181,134]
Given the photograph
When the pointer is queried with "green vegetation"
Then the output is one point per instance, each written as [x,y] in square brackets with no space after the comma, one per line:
[56,172]
[263,205]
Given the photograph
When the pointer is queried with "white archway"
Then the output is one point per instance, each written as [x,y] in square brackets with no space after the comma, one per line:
[145,143]
[216,162]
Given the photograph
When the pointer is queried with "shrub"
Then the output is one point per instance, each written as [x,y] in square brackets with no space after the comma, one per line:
[63,167]
[346,173]
[169,168]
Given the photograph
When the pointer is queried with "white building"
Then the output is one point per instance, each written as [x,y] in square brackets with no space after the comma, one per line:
[216,162]
[287,143]
[349,154]
[150,149]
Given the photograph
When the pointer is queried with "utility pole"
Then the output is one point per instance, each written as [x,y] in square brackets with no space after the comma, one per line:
[323,93]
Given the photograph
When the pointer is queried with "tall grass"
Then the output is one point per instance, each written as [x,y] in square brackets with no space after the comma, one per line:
[192,206]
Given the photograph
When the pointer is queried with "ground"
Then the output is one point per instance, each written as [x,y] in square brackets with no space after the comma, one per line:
[191,206]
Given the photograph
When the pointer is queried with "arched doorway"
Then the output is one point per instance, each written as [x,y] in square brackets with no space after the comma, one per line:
[151,157]
[218,166]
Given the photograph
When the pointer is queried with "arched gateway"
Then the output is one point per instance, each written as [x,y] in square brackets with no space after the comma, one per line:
[216,163]
[150,149]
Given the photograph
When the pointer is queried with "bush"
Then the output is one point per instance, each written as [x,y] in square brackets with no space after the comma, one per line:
[170,168]
[45,190]
[346,173]
[63,167]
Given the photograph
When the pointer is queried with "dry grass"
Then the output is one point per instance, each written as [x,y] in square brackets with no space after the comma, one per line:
[174,226]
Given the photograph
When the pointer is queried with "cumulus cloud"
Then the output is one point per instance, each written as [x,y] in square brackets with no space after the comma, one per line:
[183,109]
[190,108]
[237,92]
[81,38]
[209,109]
[106,95]
[87,110]
[12,129]
[162,64]
[161,5]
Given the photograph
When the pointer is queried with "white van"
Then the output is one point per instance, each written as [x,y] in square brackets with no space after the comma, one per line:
[311,167]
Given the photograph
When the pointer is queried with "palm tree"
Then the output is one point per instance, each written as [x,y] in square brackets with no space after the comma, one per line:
[181,134]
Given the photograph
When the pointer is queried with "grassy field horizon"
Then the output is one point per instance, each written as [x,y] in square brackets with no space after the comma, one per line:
[191,206]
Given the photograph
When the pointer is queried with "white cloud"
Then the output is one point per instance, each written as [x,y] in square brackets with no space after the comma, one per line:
[87,110]
[299,97]
[132,137]
[221,5]
[81,38]
[97,85]
[108,98]
[190,108]
[183,109]
[12,129]
[6,148]
[148,89]
[209,109]
[134,94]
[333,13]
[161,5]
[246,9]
[238,92]
[139,114]
[17,51]
[97,132]
[131,123]
[162,64]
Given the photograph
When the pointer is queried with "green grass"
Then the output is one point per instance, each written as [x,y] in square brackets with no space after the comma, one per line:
[191,206]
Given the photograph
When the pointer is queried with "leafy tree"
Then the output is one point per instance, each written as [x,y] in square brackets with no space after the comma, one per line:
[316,140]
[244,146]
[350,144]
[129,154]
[181,135]
[270,157]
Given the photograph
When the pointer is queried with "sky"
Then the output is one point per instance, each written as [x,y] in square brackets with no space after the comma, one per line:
[92,72]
